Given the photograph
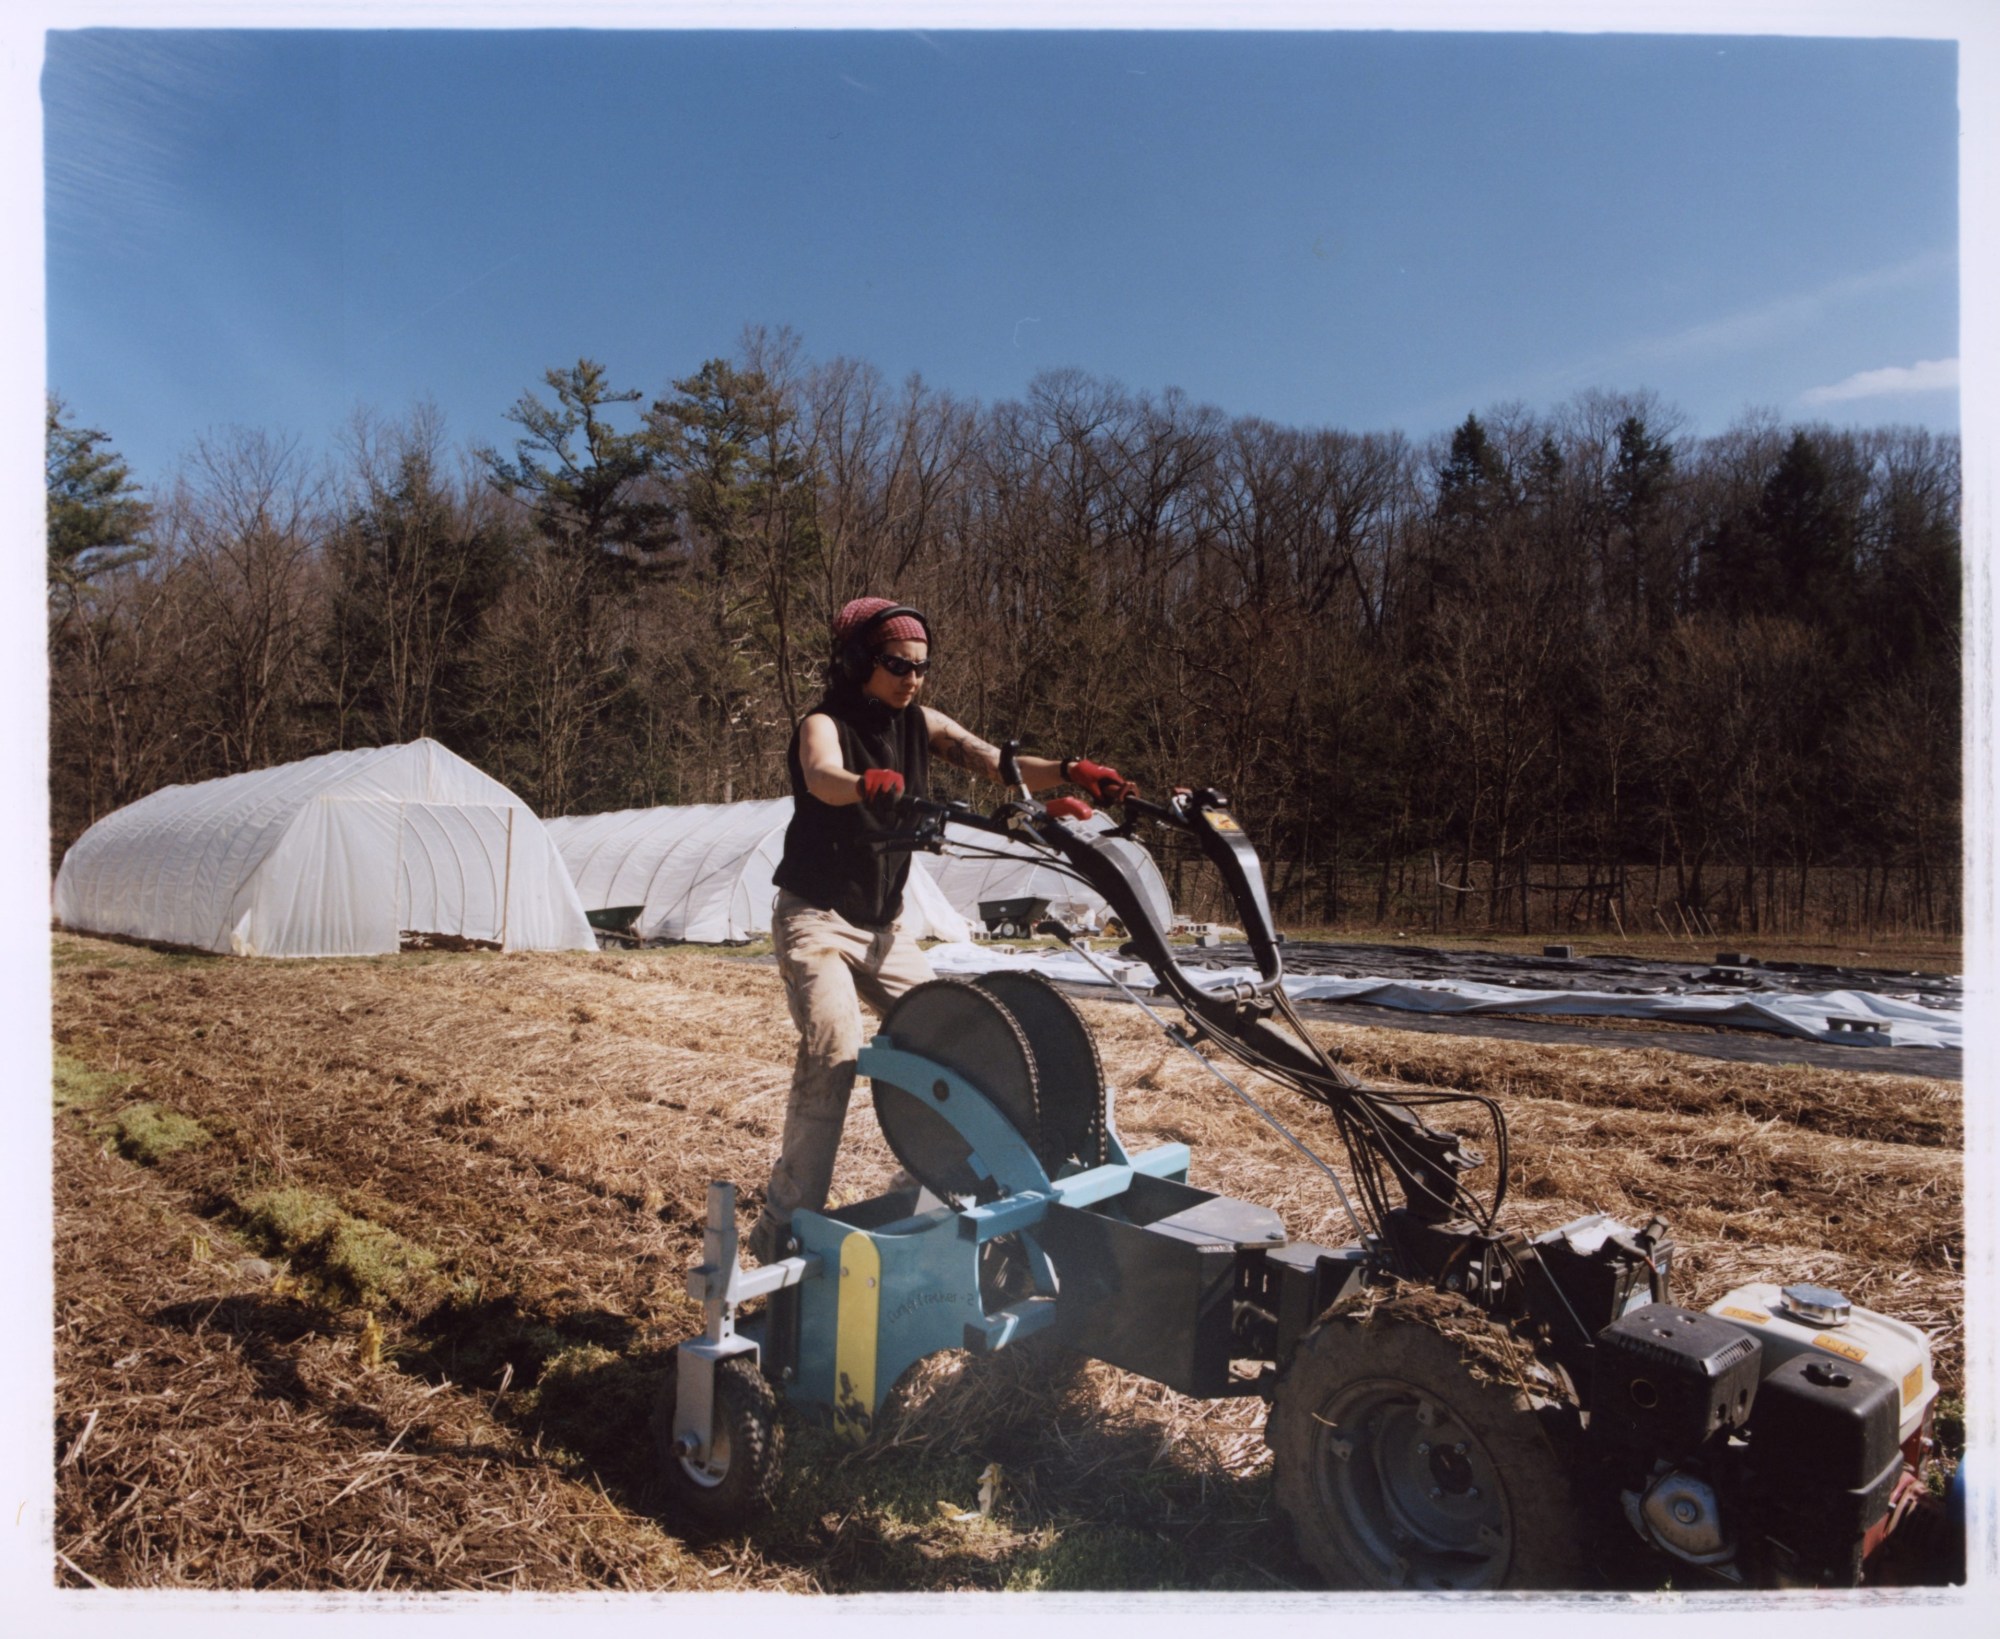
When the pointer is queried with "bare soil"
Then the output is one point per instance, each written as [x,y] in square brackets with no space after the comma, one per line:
[536,1133]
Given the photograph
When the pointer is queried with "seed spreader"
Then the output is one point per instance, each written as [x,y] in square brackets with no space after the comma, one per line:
[1453,1405]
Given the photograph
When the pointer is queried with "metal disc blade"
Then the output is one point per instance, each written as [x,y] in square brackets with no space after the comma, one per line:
[955,1024]
[1069,1079]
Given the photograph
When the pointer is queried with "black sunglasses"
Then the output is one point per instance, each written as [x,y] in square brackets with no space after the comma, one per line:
[896,666]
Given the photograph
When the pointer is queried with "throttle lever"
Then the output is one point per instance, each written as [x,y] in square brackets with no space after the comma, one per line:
[1010,769]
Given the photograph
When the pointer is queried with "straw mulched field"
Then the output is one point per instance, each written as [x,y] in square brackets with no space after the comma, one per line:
[367,1272]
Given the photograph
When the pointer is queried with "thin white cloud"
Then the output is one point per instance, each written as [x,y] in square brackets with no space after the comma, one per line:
[1727,335]
[1894,381]
[1788,315]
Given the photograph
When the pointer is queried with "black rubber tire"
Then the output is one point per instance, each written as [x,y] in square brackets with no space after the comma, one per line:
[1398,1468]
[737,1484]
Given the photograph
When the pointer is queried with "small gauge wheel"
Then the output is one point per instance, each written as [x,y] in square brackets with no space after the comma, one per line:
[726,1490]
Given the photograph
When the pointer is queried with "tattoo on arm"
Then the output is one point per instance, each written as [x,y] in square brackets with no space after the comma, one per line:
[967,751]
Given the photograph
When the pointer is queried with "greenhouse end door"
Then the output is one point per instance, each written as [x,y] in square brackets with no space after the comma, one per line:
[454,862]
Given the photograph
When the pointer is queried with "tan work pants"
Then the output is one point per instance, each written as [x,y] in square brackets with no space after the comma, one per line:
[830,967]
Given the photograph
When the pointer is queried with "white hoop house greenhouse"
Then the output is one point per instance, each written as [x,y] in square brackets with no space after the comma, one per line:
[339,855]
[701,872]
[971,877]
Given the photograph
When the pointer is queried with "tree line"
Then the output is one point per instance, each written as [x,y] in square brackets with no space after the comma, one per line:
[1572,670]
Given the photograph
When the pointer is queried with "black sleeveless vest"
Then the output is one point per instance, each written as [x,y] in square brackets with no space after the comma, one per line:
[825,861]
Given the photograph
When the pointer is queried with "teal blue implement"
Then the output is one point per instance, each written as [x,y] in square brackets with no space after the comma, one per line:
[895,1289]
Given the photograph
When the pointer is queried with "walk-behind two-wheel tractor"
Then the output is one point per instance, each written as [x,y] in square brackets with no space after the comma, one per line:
[1452,1406]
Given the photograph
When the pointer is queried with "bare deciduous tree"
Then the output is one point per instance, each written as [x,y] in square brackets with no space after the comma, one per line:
[246,531]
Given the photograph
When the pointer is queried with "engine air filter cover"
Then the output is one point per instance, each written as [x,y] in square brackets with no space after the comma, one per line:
[1824,1422]
[1823,1459]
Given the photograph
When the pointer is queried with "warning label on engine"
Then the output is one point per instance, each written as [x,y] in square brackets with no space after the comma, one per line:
[1913,1384]
[1750,1315]
[1840,1346]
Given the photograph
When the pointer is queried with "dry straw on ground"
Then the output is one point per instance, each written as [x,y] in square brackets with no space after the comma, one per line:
[495,1169]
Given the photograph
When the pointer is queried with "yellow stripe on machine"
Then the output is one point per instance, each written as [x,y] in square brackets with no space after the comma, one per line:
[856,1315]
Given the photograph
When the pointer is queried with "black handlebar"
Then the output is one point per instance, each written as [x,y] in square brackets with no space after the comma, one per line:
[923,819]
[1137,807]
[1426,1160]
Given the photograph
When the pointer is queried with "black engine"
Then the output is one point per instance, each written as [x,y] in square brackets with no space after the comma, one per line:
[1700,1429]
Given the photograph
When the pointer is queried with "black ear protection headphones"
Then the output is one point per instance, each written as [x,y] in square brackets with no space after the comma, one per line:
[854,660]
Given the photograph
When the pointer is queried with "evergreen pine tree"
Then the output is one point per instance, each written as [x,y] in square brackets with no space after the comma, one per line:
[97,523]
[585,482]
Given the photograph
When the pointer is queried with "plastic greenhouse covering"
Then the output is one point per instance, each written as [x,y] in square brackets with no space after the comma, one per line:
[338,855]
[702,871]
[968,877]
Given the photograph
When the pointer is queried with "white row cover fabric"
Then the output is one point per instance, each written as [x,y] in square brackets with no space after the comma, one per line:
[971,875]
[702,871]
[1885,1021]
[337,855]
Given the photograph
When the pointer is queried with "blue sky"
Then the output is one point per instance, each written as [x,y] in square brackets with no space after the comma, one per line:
[1356,229]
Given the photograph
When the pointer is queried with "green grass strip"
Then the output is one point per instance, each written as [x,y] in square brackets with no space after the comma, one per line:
[148,1132]
[78,1087]
[349,1257]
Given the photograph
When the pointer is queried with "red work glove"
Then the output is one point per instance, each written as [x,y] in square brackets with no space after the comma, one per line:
[881,789]
[1074,808]
[1105,784]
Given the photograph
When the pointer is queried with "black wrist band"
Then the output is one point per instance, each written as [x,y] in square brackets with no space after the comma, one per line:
[1067,764]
